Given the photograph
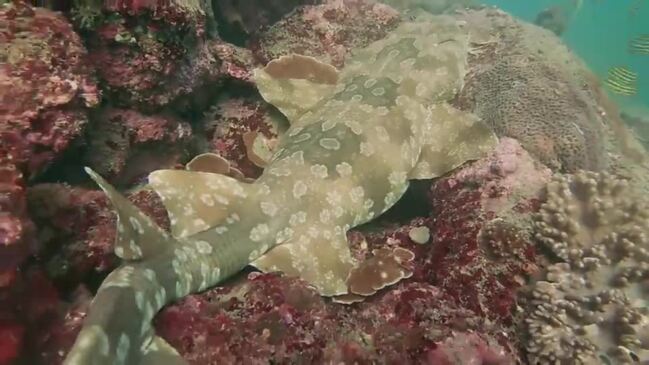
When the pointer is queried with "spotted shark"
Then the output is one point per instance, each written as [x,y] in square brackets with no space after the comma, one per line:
[357,136]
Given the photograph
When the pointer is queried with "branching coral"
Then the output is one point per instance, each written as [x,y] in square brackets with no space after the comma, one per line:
[592,307]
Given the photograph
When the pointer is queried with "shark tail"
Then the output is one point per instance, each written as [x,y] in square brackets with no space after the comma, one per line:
[117,329]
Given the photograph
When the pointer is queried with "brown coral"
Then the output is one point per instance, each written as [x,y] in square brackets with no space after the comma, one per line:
[527,85]
[592,308]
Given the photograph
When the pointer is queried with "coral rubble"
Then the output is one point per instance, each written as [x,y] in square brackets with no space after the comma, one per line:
[591,306]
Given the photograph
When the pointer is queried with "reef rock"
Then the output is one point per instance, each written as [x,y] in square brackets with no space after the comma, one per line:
[231,120]
[149,53]
[125,145]
[78,228]
[328,31]
[45,90]
[45,87]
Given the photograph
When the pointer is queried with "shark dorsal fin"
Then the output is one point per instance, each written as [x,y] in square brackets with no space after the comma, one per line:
[295,83]
[138,236]
[196,201]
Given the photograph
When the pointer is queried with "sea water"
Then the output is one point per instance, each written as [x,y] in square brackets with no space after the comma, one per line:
[599,32]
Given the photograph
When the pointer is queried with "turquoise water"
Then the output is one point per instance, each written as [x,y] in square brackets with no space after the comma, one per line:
[599,33]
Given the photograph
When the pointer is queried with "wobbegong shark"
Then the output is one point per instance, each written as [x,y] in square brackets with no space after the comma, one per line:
[357,136]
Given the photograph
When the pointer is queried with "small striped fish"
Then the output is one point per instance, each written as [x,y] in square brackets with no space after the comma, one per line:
[639,44]
[622,81]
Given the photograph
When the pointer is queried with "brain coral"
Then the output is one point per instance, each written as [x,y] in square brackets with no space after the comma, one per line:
[592,306]
[527,85]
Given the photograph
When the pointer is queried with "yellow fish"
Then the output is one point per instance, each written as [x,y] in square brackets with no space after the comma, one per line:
[622,81]
[639,44]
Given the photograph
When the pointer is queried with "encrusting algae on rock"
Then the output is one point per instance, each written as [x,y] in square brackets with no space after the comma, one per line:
[348,156]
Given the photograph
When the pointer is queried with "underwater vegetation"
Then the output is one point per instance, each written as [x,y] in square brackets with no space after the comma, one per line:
[337,181]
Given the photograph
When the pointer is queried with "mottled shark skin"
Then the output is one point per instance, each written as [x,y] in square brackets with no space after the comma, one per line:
[356,138]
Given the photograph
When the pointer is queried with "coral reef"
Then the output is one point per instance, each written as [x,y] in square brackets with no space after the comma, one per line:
[45,90]
[241,19]
[45,87]
[514,64]
[78,229]
[591,306]
[125,145]
[269,318]
[147,54]
[230,120]
[481,249]
[328,31]
[26,309]
[450,293]
[17,231]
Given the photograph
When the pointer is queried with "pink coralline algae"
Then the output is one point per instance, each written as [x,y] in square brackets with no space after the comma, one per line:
[17,232]
[226,124]
[187,13]
[146,58]
[125,145]
[328,31]
[26,307]
[482,252]
[45,87]
[81,226]
[272,318]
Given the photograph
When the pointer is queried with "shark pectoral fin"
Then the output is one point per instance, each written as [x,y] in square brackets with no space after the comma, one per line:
[138,236]
[453,138]
[159,352]
[323,262]
[196,201]
[208,162]
[295,83]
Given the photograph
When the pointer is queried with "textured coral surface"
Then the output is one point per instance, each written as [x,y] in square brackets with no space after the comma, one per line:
[591,306]
[510,75]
